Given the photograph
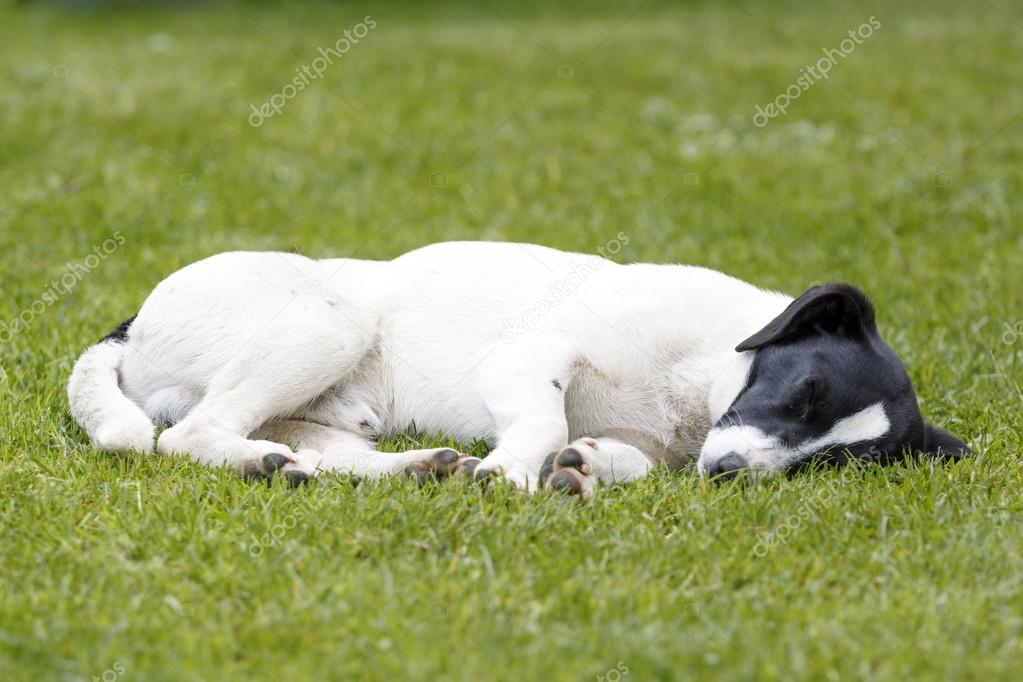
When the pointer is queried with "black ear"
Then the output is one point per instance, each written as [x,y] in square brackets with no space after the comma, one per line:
[941,444]
[832,308]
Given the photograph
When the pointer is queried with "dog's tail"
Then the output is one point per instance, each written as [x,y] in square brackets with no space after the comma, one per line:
[112,421]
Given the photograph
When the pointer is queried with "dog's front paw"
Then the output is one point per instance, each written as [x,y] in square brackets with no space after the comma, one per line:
[517,477]
[296,467]
[570,470]
[443,463]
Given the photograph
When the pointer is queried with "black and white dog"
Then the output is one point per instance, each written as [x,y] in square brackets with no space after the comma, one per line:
[575,369]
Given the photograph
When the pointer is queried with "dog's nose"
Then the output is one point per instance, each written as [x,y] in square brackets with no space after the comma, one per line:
[726,467]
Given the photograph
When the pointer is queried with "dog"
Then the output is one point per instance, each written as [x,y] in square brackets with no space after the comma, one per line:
[575,370]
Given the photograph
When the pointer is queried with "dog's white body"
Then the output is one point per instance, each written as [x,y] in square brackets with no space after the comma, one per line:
[524,346]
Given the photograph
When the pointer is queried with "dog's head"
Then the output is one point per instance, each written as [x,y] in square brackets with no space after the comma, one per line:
[822,387]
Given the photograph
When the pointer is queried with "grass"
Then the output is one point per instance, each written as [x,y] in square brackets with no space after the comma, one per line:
[901,173]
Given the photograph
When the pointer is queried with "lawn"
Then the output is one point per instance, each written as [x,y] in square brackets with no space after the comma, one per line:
[127,149]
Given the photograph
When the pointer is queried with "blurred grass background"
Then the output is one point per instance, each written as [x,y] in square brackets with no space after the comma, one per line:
[560,124]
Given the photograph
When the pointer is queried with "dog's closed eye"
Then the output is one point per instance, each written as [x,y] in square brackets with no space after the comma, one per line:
[801,404]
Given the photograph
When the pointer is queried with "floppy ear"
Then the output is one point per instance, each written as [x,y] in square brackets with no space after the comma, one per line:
[941,444]
[833,308]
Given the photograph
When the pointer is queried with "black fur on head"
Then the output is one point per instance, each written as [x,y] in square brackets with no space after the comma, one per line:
[821,372]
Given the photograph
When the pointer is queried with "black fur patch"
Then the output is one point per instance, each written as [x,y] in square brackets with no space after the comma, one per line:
[121,333]
[821,360]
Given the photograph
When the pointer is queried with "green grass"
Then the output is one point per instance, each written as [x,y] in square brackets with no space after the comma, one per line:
[901,173]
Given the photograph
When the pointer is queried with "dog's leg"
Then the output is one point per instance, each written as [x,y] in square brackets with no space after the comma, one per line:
[355,454]
[345,410]
[296,357]
[578,468]
[523,387]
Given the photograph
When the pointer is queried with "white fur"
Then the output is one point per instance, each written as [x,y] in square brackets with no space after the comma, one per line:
[605,460]
[768,454]
[869,423]
[97,404]
[755,446]
[462,338]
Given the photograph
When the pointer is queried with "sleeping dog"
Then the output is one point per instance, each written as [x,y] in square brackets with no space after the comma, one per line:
[574,369]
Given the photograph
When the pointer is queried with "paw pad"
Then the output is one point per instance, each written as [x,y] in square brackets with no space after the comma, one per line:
[570,458]
[265,467]
[485,476]
[568,472]
[445,459]
[467,467]
[565,481]
[441,464]
[296,478]
[421,471]
[274,461]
